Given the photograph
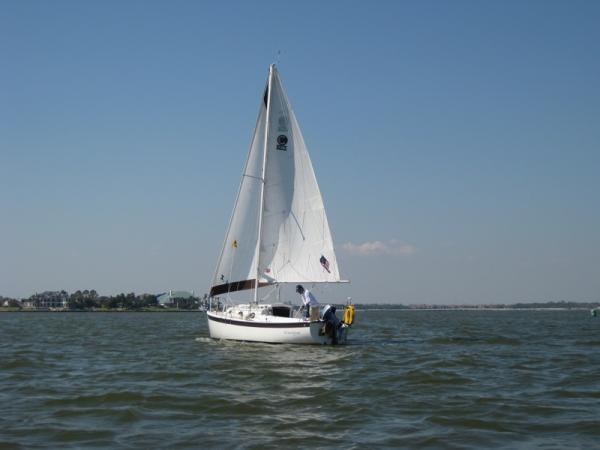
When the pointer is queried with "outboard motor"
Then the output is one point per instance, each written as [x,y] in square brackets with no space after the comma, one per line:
[332,323]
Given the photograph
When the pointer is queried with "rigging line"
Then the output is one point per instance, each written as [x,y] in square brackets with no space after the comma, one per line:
[298,224]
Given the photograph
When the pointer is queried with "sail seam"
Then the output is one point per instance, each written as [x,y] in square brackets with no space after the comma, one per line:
[256,178]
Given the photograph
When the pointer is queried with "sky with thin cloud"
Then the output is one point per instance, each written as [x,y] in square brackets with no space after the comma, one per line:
[456,144]
[392,247]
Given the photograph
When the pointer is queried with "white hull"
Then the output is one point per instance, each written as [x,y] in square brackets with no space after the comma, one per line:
[268,329]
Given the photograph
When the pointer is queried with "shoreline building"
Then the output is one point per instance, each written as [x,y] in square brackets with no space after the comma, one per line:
[177,299]
[47,300]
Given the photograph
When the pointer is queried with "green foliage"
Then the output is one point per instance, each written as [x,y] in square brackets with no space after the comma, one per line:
[87,300]
[83,300]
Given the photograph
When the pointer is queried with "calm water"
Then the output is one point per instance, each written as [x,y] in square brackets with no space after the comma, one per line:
[410,379]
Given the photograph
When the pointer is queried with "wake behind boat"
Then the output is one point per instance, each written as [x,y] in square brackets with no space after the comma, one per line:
[278,234]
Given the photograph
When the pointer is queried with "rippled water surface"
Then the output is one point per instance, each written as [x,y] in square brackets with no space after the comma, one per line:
[409,379]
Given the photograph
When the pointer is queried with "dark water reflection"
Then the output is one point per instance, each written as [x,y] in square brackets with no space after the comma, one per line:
[410,379]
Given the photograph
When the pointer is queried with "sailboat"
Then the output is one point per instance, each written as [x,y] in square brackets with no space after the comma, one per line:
[278,235]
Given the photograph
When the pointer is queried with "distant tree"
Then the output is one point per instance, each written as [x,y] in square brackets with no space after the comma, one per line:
[130,302]
[76,300]
[148,300]
[86,299]
[103,302]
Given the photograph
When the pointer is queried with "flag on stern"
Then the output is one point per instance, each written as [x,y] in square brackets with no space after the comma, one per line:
[324,263]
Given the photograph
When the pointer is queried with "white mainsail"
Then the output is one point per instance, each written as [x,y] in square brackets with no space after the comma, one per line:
[295,244]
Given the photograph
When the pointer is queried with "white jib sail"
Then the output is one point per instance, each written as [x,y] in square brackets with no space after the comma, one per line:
[295,240]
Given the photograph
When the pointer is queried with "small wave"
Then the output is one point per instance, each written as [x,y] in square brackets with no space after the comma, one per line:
[17,363]
[459,340]
[123,397]
[565,393]
[436,377]
[75,435]
[118,415]
[470,423]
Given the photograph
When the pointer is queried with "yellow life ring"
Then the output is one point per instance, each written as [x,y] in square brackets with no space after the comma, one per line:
[349,313]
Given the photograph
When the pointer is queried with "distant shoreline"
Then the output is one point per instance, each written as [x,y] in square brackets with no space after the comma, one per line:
[359,307]
[161,310]
[475,308]
[91,301]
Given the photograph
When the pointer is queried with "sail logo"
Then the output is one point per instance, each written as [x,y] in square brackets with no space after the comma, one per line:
[282,141]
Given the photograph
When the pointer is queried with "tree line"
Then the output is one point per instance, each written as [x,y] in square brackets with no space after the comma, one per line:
[82,300]
[87,300]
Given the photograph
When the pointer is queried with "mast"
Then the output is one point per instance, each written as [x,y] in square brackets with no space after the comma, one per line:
[262,187]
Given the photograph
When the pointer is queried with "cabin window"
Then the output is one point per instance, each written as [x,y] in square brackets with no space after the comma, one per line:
[281,311]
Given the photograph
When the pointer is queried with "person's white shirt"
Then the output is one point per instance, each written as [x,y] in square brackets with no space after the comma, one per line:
[308,299]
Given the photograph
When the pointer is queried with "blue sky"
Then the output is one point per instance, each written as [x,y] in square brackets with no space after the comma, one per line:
[457,144]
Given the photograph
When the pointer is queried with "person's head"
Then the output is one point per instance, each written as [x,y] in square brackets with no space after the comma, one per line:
[299,289]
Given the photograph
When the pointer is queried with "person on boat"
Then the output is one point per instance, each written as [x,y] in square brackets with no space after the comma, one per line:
[308,299]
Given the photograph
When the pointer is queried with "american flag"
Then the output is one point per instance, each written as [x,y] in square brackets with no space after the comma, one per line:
[324,263]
